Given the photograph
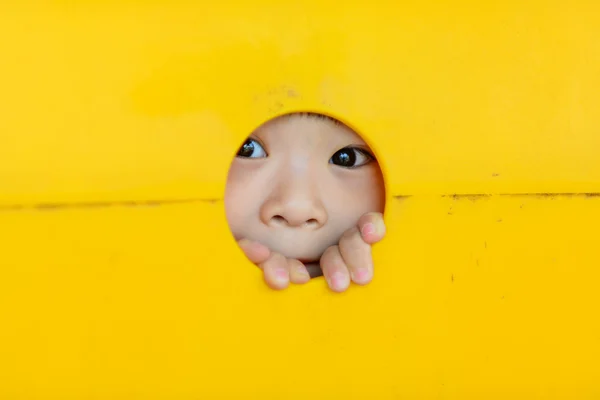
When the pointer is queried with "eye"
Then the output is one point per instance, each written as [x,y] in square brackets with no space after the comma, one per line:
[251,149]
[351,157]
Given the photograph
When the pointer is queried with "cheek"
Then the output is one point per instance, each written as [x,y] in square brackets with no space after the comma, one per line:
[357,192]
[242,198]
[376,189]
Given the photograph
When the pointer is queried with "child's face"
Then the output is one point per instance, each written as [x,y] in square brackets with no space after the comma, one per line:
[299,182]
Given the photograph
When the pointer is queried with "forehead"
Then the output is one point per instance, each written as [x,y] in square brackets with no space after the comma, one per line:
[308,129]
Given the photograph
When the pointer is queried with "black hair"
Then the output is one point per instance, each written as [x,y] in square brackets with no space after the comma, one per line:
[317,116]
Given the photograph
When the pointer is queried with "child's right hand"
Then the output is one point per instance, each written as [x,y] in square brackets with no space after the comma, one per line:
[350,260]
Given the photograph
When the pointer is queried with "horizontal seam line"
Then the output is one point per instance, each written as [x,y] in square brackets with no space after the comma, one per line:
[487,195]
[52,206]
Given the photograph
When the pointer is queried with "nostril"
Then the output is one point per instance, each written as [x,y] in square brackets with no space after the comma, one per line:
[311,222]
[278,219]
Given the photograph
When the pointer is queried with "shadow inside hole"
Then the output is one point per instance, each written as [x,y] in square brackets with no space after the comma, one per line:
[297,184]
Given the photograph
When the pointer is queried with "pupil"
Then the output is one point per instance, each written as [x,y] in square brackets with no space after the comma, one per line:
[345,158]
[247,149]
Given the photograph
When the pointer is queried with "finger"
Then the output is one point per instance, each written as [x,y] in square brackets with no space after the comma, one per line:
[356,254]
[335,270]
[276,271]
[371,227]
[298,272]
[256,252]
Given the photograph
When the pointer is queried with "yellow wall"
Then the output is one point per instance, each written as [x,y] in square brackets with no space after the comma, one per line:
[119,277]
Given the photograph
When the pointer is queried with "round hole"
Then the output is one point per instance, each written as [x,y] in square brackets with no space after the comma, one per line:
[297,183]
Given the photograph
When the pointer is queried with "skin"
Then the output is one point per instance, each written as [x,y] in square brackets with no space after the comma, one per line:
[299,207]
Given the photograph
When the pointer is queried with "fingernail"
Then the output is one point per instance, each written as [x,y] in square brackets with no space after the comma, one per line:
[301,269]
[361,275]
[339,281]
[281,274]
[368,229]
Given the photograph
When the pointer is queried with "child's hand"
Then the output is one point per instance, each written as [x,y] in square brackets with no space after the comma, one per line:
[278,270]
[349,260]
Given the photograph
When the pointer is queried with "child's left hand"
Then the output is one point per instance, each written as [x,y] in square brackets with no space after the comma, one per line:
[349,260]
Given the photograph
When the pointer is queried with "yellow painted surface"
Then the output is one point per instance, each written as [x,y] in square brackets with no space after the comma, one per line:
[119,277]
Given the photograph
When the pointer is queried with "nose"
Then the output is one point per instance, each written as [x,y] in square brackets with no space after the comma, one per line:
[294,203]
